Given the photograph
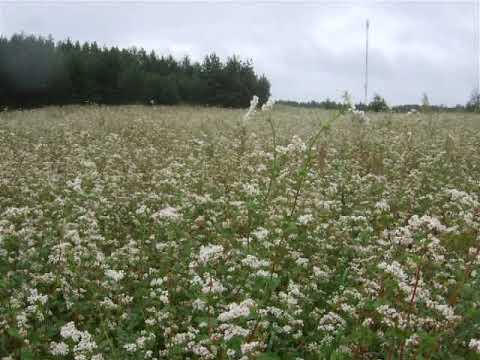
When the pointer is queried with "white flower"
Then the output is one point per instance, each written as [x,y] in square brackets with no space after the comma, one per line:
[305,219]
[296,145]
[260,233]
[201,351]
[347,100]
[231,330]
[361,116]
[69,331]
[474,344]
[395,269]
[75,185]
[210,253]
[367,322]
[249,347]
[265,273]
[86,343]
[301,261]
[331,322]
[413,340]
[268,105]
[58,348]
[35,296]
[82,338]
[250,189]
[254,263]
[251,110]
[108,303]
[209,285]
[115,275]
[169,213]
[130,347]
[141,210]
[431,222]
[382,205]
[237,310]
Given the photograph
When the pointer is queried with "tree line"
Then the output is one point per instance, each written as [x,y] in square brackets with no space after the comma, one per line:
[378,104]
[36,71]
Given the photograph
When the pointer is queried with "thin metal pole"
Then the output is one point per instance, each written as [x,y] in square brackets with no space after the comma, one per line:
[476,49]
[366,63]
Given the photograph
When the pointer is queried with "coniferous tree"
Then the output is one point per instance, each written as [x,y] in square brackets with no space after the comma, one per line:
[378,104]
[35,71]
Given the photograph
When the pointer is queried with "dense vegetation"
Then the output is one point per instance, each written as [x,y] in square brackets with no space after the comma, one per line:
[379,104]
[37,71]
[146,232]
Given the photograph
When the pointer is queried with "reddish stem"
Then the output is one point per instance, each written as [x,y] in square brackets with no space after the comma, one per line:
[417,279]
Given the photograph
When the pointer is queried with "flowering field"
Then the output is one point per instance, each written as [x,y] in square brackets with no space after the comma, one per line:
[180,232]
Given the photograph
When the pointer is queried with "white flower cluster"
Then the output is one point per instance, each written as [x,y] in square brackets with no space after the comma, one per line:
[115,275]
[249,347]
[432,223]
[382,205]
[35,297]
[391,317]
[462,197]
[252,109]
[305,219]
[237,310]
[210,253]
[445,310]
[230,330]
[296,145]
[360,115]
[213,286]
[254,262]
[474,344]
[208,284]
[331,322]
[139,343]
[394,269]
[250,189]
[268,106]
[83,340]
[167,213]
[59,349]
[75,185]
[260,233]
[141,210]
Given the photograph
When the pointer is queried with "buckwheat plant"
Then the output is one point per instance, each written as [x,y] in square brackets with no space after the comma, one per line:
[150,232]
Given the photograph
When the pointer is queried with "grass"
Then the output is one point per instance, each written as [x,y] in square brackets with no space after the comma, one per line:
[179,232]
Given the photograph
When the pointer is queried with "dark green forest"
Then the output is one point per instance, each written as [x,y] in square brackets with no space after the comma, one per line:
[37,71]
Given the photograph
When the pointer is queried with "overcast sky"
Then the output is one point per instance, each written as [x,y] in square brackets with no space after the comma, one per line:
[308,50]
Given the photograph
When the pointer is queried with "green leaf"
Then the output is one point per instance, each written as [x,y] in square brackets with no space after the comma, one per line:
[27,355]
[268,356]
[14,333]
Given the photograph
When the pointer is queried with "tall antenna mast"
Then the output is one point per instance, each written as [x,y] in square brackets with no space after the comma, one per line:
[366,62]
[476,51]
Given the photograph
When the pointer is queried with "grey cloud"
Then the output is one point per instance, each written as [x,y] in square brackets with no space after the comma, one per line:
[307,50]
